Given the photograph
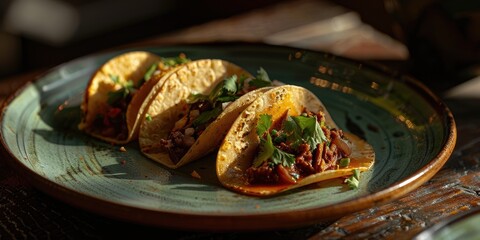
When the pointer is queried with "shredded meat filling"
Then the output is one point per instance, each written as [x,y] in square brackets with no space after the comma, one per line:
[184,134]
[113,123]
[323,157]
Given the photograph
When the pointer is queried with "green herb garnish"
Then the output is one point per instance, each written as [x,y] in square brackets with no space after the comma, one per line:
[282,137]
[148,117]
[167,62]
[173,61]
[302,129]
[293,131]
[228,89]
[225,91]
[114,78]
[311,131]
[196,97]
[207,116]
[267,149]
[127,89]
[344,162]
[150,72]
[354,180]
[262,79]
[264,124]
[281,157]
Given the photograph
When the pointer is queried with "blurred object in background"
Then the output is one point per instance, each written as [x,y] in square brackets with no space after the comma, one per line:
[311,24]
[43,33]
[442,36]
[29,26]
[10,53]
[48,32]
[57,22]
[344,34]
[446,43]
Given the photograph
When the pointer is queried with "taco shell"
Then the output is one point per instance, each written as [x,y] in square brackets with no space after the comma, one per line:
[128,66]
[239,147]
[167,104]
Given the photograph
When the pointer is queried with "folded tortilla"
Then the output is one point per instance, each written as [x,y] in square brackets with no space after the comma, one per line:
[121,76]
[167,105]
[239,148]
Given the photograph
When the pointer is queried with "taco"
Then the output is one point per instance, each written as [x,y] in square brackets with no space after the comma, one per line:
[194,109]
[112,101]
[286,139]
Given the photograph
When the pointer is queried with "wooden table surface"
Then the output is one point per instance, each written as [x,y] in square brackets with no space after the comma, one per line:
[26,212]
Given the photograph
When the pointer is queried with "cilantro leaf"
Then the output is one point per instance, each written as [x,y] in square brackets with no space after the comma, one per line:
[269,151]
[279,138]
[129,85]
[230,84]
[196,97]
[281,157]
[148,118]
[264,123]
[225,91]
[170,62]
[207,116]
[228,91]
[121,93]
[114,78]
[344,162]
[266,151]
[217,90]
[293,131]
[354,180]
[261,80]
[311,131]
[150,72]
[228,98]
[317,133]
[241,82]
[262,74]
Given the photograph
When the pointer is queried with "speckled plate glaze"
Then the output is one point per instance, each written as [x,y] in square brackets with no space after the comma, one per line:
[412,131]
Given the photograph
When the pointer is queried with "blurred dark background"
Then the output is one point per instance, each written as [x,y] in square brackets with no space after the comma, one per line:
[442,36]
[42,33]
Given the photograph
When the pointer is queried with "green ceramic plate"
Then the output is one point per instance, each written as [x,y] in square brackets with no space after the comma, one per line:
[412,131]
